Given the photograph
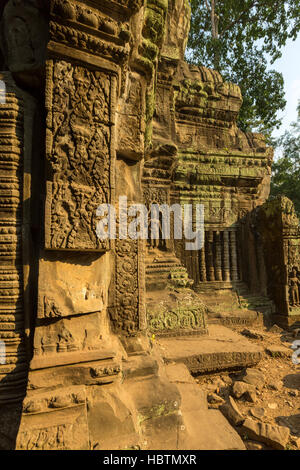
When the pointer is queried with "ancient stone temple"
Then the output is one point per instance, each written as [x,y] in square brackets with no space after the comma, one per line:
[96,104]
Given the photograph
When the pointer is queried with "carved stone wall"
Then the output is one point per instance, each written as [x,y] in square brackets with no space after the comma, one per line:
[278,226]
[218,166]
[80,104]
[16,118]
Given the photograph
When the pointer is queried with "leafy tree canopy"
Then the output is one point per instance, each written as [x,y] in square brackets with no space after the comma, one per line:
[286,170]
[238,38]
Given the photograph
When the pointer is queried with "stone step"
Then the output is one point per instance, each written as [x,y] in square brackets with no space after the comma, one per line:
[165,270]
[222,349]
[247,318]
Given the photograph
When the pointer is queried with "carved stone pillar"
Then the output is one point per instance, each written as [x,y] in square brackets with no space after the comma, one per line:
[261,267]
[226,268]
[15,120]
[233,252]
[202,263]
[218,261]
[210,256]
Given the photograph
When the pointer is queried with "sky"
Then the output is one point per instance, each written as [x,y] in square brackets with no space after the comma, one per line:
[289,66]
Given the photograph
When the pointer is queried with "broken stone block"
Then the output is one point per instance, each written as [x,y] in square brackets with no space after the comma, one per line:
[272,406]
[296,332]
[258,412]
[275,385]
[253,445]
[254,377]
[214,399]
[275,329]
[278,351]
[252,334]
[274,436]
[231,411]
[251,396]
[242,389]
[296,442]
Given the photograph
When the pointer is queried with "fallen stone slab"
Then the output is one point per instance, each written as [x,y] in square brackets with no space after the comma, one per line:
[209,430]
[201,428]
[231,411]
[274,436]
[278,351]
[222,349]
[252,334]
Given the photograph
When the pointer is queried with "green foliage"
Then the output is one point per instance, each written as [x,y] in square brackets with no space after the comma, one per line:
[286,170]
[236,37]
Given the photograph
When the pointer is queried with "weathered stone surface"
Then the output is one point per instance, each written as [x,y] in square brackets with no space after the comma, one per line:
[275,385]
[242,389]
[257,412]
[204,429]
[272,406]
[215,399]
[274,436]
[252,445]
[279,226]
[276,329]
[252,334]
[121,115]
[231,411]
[254,377]
[296,442]
[222,350]
[278,351]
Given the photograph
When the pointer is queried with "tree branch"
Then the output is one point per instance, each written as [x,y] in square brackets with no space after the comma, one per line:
[207,5]
[234,22]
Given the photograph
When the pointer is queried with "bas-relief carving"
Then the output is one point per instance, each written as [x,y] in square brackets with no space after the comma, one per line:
[80,116]
[85,293]
[294,284]
[24,35]
[66,410]
[278,226]
[125,314]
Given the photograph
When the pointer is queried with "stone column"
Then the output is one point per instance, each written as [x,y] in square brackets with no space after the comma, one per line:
[210,256]
[202,263]
[233,253]
[218,261]
[261,268]
[226,268]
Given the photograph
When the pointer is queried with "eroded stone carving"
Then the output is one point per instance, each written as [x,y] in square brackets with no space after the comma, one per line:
[16,114]
[123,115]
[80,109]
